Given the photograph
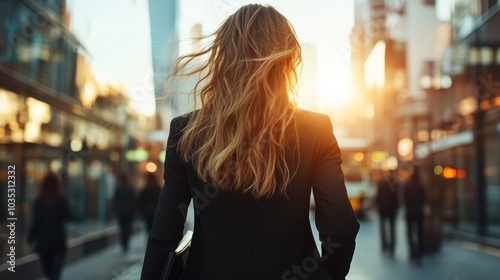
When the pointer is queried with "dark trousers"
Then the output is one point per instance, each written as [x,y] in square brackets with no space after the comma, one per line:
[125,223]
[415,233]
[52,264]
[387,232]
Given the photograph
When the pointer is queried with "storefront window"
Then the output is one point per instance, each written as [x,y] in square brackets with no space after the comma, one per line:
[449,187]
[9,112]
[454,179]
[492,176]
[89,196]
[465,189]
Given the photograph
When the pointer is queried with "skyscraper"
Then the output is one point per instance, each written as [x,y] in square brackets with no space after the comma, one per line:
[164,39]
[164,51]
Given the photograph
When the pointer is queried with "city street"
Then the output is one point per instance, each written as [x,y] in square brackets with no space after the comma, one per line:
[104,102]
[454,262]
[90,92]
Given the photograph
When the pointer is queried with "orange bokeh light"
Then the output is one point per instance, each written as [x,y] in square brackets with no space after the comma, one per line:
[359,156]
[461,174]
[151,167]
[449,173]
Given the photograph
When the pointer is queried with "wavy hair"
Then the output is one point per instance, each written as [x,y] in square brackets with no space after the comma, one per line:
[239,138]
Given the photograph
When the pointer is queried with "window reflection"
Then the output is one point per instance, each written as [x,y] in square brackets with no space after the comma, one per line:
[464,13]
[9,117]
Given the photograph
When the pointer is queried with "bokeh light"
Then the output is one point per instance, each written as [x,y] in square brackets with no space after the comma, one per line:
[151,167]
[449,173]
[438,170]
[359,156]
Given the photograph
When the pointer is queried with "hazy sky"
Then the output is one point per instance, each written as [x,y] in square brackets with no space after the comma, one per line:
[325,23]
[116,33]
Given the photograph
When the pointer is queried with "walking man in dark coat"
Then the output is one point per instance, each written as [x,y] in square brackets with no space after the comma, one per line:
[387,204]
[414,198]
[125,210]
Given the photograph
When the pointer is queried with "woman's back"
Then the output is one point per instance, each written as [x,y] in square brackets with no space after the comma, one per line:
[248,158]
[237,236]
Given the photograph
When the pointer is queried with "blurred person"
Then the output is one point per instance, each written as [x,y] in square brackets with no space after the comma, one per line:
[47,230]
[109,180]
[387,203]
[414,199]
[248,158]
[148,199]
[124,200]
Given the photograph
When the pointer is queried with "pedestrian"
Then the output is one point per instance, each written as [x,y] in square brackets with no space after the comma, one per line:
[387,202]
[124,200]
[248,158]
[109,184]
[414,199]
[47,232]
[148,199]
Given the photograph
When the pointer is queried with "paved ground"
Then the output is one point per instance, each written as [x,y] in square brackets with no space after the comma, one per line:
[453,262]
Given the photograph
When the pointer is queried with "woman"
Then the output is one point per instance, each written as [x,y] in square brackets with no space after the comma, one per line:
[47,232]
[148,199]
[248,159]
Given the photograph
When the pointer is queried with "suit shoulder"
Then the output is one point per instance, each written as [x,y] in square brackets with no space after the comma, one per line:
[182,120]
[179,123]
[311,119]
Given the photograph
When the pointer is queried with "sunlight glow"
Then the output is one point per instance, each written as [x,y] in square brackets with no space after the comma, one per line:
[375,67]
[333,94]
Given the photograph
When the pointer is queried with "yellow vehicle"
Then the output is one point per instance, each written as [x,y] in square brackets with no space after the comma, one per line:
[356,168]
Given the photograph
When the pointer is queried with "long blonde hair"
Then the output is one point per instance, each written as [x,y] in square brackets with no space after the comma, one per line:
[239,138]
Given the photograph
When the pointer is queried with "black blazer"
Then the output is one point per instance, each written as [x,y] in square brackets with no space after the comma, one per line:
[237,237]
[47,231]
[387,197]
[414,198]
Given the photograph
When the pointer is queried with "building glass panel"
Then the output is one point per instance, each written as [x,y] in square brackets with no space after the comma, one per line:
[53,7]
[492,176]
[465,188]
[89,175]
[31,44]
[41,64]
[464,14]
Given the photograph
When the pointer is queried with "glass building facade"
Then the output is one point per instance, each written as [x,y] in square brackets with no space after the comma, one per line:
[54,115]
[442,92]
[464,166]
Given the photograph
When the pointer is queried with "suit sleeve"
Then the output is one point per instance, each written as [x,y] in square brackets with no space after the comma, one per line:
[335,218]
[170,215]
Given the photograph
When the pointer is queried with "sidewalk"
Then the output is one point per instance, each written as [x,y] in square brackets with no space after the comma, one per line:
[453,262]
[110,263]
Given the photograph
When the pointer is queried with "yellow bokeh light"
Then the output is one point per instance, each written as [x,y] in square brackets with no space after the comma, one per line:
[438,169]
